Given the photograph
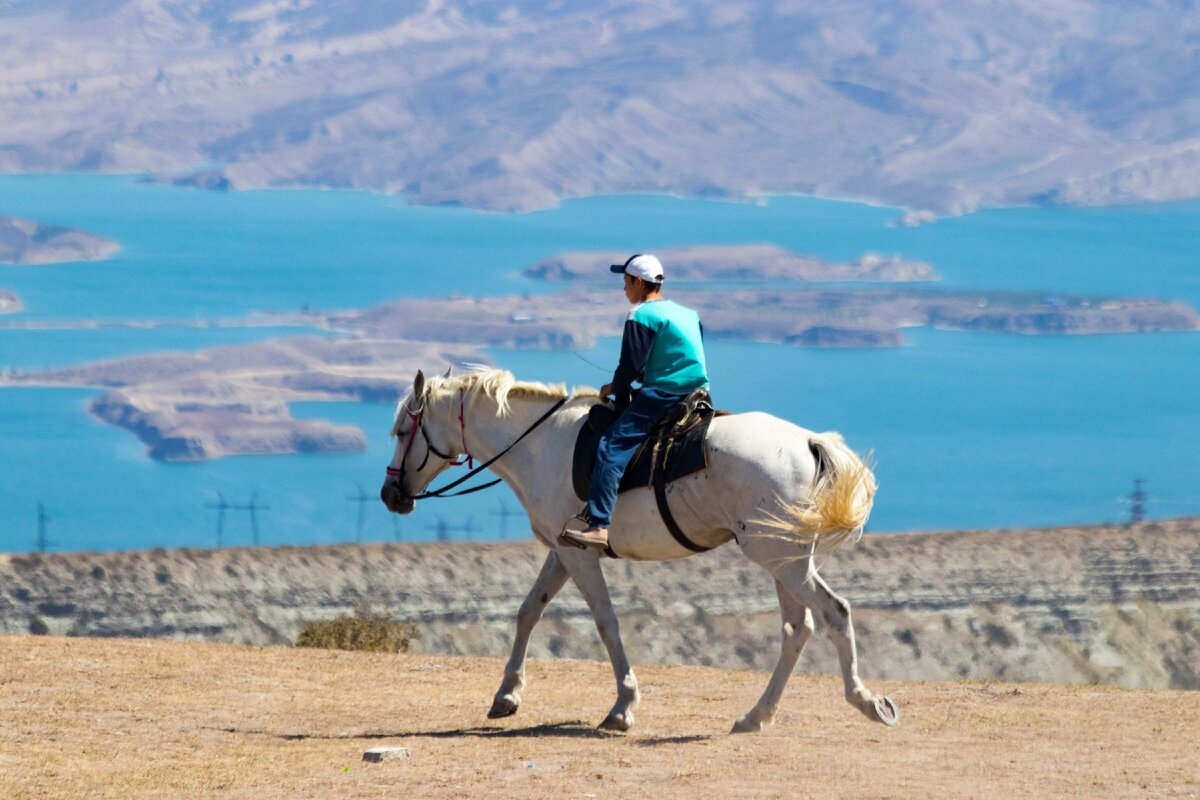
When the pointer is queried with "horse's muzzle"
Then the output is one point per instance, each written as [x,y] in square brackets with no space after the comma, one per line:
[396,501]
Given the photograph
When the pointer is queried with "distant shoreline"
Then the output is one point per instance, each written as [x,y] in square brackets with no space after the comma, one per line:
[906,215]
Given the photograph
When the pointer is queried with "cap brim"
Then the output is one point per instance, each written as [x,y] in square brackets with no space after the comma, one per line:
[617,268]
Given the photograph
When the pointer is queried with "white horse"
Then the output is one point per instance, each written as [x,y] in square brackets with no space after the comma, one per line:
[781,492]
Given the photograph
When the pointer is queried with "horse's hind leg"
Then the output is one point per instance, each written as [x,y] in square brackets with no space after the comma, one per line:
[797,627]
[808,587]
[802,582]
[549,581]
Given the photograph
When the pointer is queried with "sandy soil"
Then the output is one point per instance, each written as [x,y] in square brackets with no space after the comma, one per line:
[100,718]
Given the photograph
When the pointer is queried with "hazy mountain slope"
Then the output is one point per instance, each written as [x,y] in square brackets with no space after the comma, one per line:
[1094,604]
[925,105]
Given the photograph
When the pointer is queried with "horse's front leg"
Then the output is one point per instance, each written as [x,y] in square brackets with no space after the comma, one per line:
[549,581]
[797,627]
[585,571]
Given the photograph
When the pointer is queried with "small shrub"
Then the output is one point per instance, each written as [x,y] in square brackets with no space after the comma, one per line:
[37,626]
[371,631]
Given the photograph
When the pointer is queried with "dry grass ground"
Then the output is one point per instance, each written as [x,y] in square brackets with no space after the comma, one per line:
[105,718]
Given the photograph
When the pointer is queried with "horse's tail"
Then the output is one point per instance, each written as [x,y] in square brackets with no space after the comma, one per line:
[839,500]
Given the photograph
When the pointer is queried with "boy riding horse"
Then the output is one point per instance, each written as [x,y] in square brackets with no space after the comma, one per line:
[663,348]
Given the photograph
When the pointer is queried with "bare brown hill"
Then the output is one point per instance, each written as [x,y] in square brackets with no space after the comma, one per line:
[458,102]
[98,719]
[1103,604]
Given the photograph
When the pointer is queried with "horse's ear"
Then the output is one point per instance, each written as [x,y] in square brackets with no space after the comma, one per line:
[418,389]
[448,370]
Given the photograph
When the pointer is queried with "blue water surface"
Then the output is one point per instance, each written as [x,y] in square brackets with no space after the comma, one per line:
[969,430]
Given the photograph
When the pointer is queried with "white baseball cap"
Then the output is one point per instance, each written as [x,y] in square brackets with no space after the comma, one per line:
[646,267]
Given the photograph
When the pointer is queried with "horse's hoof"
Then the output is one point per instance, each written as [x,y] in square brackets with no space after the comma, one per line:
[886,711]
[503,707]
[617,723]
[747,724]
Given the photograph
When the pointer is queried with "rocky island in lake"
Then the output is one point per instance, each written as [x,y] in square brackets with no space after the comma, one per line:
[746,262]
[24,241]
[810,317]
[234,400]
[229,401]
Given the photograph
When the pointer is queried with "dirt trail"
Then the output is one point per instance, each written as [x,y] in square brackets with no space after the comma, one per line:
[110,718]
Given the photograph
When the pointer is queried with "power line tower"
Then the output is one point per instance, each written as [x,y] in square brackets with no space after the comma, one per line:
[253,507]
[443,529]
[1137,502]
[504,513]
[362,498]
[43,540]
[221,506]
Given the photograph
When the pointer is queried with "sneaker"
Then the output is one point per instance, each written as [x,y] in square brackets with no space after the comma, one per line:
[593,536]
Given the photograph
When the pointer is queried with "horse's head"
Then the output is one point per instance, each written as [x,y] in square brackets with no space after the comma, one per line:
[427,442]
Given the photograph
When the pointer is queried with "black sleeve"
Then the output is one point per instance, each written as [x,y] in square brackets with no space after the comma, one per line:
[635,349]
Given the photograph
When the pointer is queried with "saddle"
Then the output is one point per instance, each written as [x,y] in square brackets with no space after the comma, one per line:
[673,449]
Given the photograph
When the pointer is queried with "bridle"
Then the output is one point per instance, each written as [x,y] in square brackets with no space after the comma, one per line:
[417,418]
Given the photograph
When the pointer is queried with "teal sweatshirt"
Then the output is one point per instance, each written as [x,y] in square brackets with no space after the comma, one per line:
[663,347]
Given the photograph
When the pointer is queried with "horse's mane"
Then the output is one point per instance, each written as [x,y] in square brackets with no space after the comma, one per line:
[497,384]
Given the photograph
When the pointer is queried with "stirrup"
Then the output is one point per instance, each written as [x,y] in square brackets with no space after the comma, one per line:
[568,528]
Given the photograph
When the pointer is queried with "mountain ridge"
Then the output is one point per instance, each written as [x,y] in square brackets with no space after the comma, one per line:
[450,102]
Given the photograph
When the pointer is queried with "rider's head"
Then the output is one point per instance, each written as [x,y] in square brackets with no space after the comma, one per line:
[643,277]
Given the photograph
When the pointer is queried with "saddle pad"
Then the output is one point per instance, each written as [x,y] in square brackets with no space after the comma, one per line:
[678,457]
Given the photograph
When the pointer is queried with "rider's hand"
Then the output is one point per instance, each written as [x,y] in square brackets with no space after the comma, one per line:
[606,390]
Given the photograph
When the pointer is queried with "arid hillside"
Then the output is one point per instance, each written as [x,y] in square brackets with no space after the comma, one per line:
[946,109]
[1115,605]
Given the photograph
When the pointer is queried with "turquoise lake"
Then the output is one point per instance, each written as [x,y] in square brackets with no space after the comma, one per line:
[969,430]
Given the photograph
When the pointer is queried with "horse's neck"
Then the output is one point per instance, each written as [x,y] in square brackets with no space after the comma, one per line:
[488,434]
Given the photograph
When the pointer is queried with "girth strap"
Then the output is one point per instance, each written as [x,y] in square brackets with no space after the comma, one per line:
[664,510]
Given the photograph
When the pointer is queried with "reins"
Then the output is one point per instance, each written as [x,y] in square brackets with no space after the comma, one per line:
[445,490]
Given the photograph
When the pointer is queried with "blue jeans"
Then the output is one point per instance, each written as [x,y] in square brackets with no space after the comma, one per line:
[617,446]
